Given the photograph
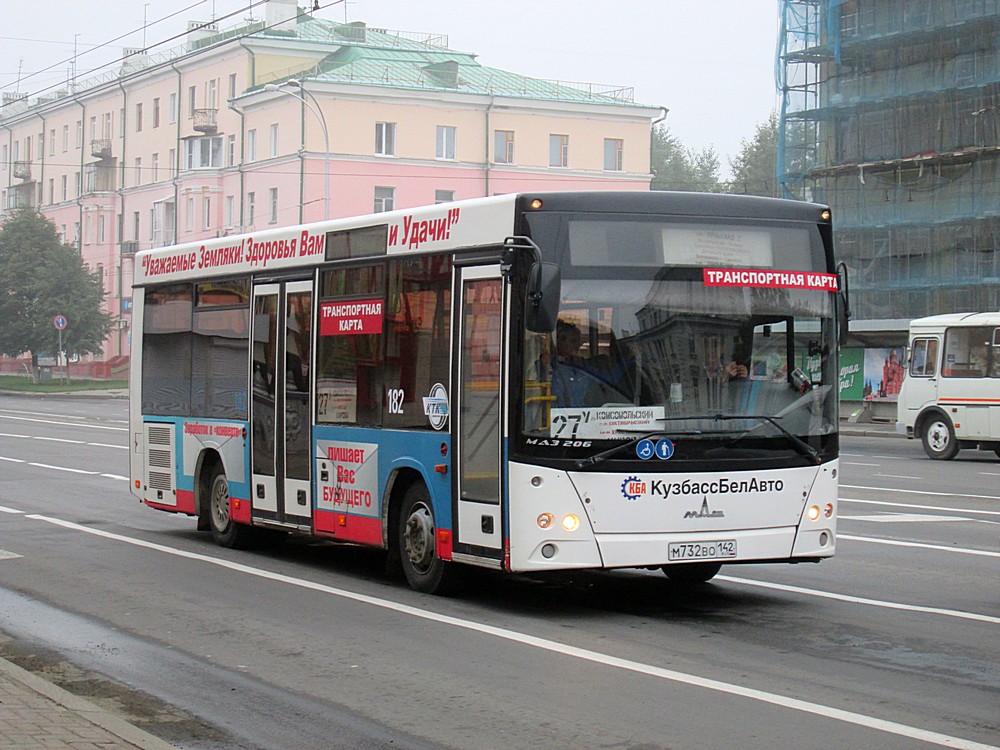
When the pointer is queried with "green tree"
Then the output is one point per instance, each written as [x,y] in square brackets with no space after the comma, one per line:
[675,167]
[755,168]
[40,278]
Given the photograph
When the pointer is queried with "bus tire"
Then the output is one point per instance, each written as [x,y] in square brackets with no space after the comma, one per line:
[689,573]
[417,544]
[938,437]
[225,531]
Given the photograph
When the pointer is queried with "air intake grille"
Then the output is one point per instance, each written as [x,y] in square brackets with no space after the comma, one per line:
[161,462]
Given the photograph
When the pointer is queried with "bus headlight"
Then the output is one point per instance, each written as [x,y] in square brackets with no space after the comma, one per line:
[544,520]
[571,522]
[813,513]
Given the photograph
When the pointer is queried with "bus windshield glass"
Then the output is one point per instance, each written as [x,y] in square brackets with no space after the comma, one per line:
[713,334]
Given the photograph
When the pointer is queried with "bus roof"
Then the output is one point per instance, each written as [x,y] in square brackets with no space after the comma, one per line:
[955,319]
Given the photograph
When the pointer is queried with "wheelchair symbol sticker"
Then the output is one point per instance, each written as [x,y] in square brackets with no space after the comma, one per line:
[645,449]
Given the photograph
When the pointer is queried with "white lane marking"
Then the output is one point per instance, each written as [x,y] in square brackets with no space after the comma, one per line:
[114,476]
[50,414]
[14,435]
[919,507]
[5,555]
[108,445]
[13,460]
[57,440]
[5,509]
[919,492]
[921,545]
[63,440]
[858,463]
[64,423]
[556,647]
[989,473]
[62,468]
[861,600]
[871,455]
[895,476]
[905,518]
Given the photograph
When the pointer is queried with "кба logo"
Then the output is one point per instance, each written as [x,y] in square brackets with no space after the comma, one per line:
[633,488]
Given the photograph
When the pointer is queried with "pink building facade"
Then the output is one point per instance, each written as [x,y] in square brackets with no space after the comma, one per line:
[290,120]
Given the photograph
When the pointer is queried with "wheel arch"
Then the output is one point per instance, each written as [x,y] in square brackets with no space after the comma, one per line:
[929,413]
[208,459]
[401,478]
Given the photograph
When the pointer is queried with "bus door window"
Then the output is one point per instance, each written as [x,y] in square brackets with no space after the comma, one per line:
[298,315]
[923,357]
[265,336]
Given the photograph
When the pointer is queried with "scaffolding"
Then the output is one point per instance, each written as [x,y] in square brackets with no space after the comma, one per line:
[890,113]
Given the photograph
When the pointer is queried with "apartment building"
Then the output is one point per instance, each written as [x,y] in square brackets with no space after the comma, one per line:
[291,119]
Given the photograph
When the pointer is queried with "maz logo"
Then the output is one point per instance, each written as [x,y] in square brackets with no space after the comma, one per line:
[704,511]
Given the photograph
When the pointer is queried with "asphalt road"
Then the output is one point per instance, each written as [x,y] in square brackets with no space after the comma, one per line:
[892,644]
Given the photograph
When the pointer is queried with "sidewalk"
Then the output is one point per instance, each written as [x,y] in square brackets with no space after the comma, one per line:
[37,714]
[869,429]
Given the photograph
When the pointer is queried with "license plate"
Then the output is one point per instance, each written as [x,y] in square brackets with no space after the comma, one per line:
[717,550]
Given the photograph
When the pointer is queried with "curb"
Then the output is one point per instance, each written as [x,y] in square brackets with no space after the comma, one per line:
[84,709]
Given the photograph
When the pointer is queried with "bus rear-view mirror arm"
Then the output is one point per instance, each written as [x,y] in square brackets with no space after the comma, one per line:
[845,305]
[541,306]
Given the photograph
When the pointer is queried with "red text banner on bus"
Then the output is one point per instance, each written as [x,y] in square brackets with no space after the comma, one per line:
[770,279]
[350,318]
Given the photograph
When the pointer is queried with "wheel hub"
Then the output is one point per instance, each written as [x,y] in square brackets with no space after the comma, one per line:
[418,538]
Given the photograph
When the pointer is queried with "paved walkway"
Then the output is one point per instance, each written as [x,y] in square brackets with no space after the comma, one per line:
[37,714]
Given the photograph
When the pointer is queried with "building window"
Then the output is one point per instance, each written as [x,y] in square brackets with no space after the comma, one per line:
[503,146]
[138,117]
[444,196]
[203,153]
[385,138]
[445,142]
[231,150]
[107,126]
[274,139]
[172,108]
[93,127]
[251,145]
[385,199]
[52,190]
[65,187]
[172,162]
[213,87]
[230,208]
[78,183]
[52,141]
[100,228]
[135,225]
[65,138]
[613,148]
[558,150]
[250,207]
[138,170]
[155,176]
[79,133]
[272,199]
[192,100]
[156,112]
[232,85]
[189,215]
[206,212]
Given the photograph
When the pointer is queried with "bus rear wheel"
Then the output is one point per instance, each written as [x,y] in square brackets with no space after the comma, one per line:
[938,438]
[225,531]
[692,572]
[417,540]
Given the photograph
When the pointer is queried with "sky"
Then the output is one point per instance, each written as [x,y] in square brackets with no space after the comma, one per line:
[709,62]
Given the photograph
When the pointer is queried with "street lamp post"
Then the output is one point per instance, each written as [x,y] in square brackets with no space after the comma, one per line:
[322,122]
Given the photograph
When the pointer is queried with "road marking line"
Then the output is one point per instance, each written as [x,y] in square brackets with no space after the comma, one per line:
[12,435]
[5,555]
[63,468]
[919,507]
[919,492]
[862,600]
[5,509]
[857,463]
[65,424]
[905,518]
[13,460]
[108,445]
[872,455]
[556,647]
[990,473]
[115,476]
[921,545]
[895,476]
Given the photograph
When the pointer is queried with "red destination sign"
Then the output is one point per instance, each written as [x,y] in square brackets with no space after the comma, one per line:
[350,318]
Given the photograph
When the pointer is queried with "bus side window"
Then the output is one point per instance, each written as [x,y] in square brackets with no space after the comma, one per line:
[923,360]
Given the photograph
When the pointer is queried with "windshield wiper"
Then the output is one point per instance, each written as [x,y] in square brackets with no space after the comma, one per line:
[798,442]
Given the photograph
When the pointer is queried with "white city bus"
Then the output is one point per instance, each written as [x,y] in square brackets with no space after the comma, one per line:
[950,397]
[526,383]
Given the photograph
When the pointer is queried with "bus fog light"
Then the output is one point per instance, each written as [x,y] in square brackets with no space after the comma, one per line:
[813,512]
[828,510]
[571,522]
[545,520]
[536,481]
[548,551]
[823,539]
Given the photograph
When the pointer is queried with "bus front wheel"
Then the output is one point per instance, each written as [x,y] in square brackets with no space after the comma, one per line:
[417,537]
[938,437]
[692,572]
[225,531]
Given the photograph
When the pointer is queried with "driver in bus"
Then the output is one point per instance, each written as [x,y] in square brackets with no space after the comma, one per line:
[569,380]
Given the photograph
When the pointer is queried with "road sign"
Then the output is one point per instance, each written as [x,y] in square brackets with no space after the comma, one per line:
[59,321]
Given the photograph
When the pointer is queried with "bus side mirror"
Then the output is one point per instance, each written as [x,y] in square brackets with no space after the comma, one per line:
[542,297]
[845,305]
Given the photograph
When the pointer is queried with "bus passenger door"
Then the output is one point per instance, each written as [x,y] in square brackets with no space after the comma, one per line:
[280,407]
[478,424]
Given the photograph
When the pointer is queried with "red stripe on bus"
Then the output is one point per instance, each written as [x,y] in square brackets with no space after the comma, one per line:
[971,400]
[348,528]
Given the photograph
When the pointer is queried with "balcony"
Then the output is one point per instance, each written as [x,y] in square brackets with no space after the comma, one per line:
[100,148]
[205,122]
[22,170]
[130,247]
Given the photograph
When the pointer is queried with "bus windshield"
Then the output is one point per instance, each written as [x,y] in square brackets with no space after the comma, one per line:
[644,344]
